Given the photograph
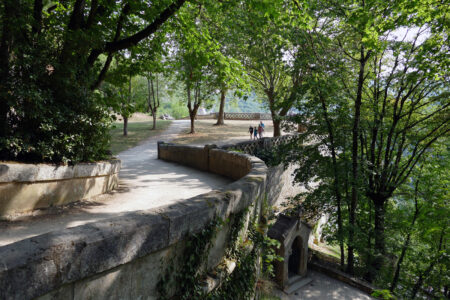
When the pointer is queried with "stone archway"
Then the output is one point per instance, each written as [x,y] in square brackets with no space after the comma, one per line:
[295,257]
[293,235]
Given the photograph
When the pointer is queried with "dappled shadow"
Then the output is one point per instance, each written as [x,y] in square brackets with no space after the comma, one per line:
[145,182]
[324,287]
[148,185]
[85,257]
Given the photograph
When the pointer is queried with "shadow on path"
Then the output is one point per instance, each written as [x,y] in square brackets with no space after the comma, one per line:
[145,182]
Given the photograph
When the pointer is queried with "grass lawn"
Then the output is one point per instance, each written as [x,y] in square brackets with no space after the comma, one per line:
[137,132]
[206,132]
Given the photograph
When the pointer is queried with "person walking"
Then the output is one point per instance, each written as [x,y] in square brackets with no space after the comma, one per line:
[255,133]
[260,131]
[250,129]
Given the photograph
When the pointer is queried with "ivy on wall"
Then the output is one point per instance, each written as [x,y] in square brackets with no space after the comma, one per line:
[189,277]
[250,253]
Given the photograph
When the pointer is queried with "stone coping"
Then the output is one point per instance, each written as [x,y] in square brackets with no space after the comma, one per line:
[18,172]
[38,265]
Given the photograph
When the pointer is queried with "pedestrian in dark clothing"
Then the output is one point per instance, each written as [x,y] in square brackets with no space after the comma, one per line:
[250,129]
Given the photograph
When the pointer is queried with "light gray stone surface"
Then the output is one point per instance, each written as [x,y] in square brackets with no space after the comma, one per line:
[17,172]
[145,182]
[323,287]
[122,257]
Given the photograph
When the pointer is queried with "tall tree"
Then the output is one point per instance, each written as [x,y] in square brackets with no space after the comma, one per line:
[196,53]
[398,103]
[50,59]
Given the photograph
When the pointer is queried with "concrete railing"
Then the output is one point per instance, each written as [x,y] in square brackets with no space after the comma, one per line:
[234,116]
[247,116]
[24,187]
[251,147]
[123,257]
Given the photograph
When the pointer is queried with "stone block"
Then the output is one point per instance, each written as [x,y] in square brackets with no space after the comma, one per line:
[219,245]
[64,292]
[24,187]
[230,164]
[45,262]
[226,199]
[113,284]
[19,197]
[146,273]
[178,216]
[18,172]
[200,213]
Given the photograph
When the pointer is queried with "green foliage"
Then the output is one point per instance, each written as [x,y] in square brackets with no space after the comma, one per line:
[383,294]
[361,51]
[241,283]
[193,262]
[250,252]
[49,66]
[269,156]
[68,129]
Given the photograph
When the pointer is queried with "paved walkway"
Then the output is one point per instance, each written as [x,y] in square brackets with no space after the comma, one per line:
[323,287]
[145,182]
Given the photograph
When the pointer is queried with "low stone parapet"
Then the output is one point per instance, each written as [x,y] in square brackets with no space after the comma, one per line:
[25,187]
[126,256]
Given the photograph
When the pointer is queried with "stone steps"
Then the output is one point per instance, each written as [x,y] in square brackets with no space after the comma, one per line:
[295,283]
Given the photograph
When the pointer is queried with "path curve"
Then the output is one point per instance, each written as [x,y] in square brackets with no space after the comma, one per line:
[145,182]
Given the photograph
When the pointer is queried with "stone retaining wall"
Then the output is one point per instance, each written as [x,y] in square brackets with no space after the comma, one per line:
[24,187]
[124,257]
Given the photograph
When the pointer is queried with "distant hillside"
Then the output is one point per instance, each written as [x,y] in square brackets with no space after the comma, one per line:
[234,104]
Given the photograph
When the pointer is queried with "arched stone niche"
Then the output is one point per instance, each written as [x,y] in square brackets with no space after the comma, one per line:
[293,235]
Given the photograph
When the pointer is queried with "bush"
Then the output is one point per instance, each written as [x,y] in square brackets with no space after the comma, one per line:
[51,118]
[383,294]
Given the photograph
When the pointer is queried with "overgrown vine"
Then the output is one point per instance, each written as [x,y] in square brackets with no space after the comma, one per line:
[249,254]
[189,277]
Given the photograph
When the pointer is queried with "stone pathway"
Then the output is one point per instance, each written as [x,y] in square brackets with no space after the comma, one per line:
[145,182]
[323,287]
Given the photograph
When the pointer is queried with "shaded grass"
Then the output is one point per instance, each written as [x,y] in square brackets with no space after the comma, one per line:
[332,251]
[206,132]
[137,132]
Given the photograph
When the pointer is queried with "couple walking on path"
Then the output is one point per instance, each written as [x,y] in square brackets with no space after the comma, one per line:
[256,131]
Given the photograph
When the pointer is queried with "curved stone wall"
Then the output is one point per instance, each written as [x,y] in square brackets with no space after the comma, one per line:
[121,258]
[24,187]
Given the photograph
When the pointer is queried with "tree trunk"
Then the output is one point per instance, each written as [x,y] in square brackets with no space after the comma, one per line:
[377,261]
[221,117]
[154,119]
[192,117]
[276,122]
[276,128]
[125,126]
[355,167]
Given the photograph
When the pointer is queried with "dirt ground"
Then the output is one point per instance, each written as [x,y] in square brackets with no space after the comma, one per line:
[233,131]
